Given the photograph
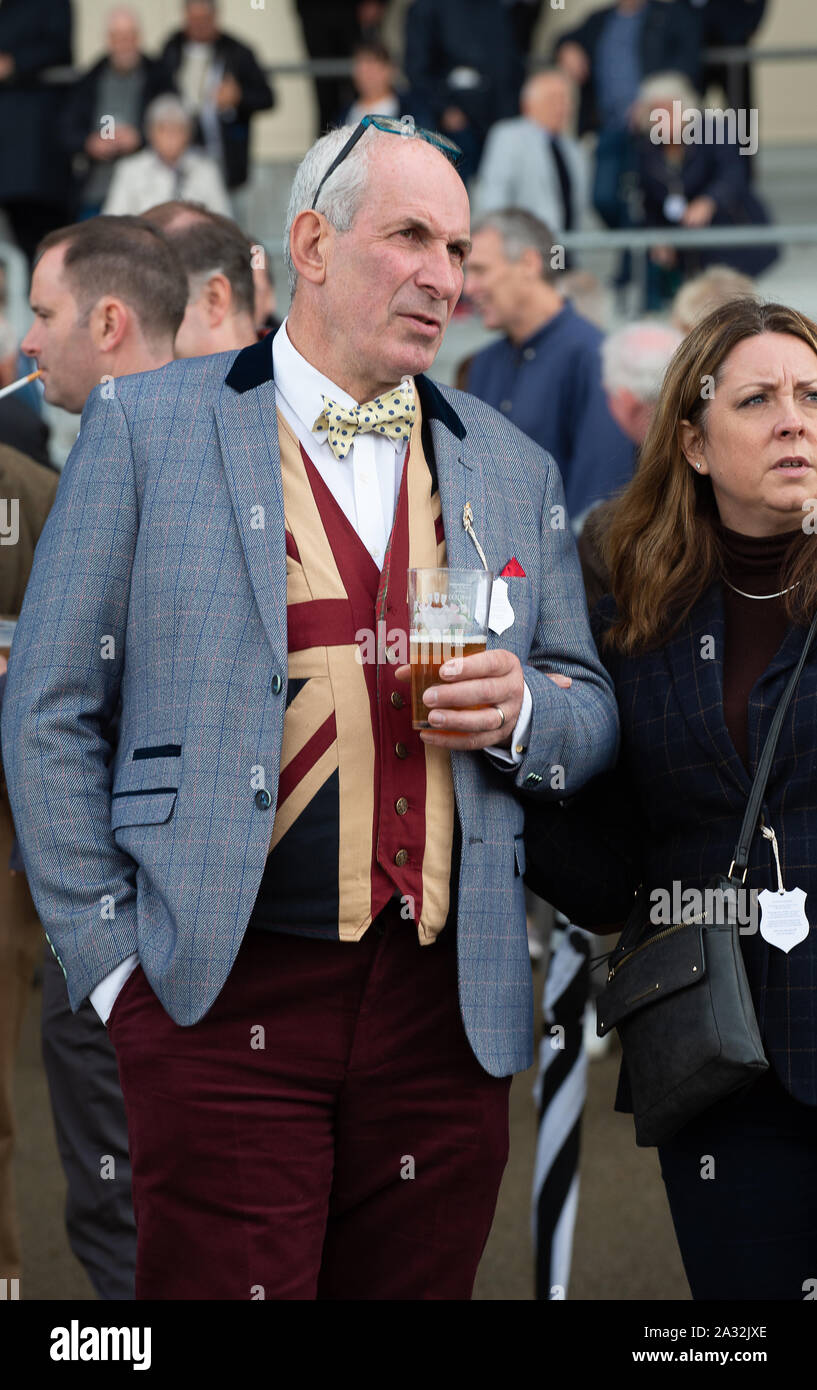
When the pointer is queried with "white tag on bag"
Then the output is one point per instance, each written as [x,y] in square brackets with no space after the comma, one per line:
[783,921]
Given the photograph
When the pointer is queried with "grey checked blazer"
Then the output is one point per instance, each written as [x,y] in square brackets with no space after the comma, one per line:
[155,584]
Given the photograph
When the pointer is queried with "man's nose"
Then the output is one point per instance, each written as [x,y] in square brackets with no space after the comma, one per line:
[439,274]
[29,345]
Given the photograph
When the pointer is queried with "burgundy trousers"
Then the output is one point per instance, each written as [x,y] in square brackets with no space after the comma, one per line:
[325,1131]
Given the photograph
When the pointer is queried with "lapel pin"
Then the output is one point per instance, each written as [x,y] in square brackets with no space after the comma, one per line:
[468,523]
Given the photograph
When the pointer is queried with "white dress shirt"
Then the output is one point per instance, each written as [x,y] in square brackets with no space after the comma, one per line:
[366,486]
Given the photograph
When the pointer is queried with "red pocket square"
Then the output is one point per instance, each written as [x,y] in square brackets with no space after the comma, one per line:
[513,570]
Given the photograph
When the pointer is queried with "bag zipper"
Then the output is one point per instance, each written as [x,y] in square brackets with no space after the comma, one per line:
[659,936]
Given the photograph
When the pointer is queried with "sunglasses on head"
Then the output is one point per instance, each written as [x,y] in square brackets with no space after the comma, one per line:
[404,126]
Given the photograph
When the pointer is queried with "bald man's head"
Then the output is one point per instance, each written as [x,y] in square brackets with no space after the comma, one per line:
[546,99]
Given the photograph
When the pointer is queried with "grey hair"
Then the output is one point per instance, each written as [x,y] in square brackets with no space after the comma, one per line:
[341,195]
[167,108]
[520,231]
[530,82]
[637,356]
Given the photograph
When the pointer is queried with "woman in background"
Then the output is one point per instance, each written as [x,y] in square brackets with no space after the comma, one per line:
[713,565]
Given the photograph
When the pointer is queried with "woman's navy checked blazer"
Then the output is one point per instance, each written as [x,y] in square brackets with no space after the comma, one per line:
[672,810]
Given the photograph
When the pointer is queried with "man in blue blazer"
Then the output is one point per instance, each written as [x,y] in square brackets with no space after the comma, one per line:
[302,919]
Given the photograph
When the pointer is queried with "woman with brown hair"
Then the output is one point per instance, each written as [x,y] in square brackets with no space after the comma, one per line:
[713,566]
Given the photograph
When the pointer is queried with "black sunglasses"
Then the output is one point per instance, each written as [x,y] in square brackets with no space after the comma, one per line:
[404,126]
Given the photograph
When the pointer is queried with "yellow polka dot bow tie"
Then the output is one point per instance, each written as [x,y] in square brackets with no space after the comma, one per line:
[391,414]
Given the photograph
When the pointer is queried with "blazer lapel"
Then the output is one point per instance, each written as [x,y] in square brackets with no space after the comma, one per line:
[247,426]
[459,476]
[695,659]
[460,480]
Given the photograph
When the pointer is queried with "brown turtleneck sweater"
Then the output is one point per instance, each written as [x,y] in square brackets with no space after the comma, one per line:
[754,628]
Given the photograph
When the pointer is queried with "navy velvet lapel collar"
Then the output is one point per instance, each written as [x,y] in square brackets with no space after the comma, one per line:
[253,366]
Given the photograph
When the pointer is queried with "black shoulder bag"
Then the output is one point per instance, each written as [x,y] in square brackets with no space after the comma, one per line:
[679,997]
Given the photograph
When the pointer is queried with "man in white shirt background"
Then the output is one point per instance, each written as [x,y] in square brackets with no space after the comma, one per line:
[222,86]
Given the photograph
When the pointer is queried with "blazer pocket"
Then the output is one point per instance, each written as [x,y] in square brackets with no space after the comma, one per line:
[519,854]
[142,807]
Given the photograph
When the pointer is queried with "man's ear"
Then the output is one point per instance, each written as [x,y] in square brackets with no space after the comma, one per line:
[309,242]
[692,446]
[108,323]
[218,299]
[533,263]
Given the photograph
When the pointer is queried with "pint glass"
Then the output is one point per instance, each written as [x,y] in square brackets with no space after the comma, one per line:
[448,617]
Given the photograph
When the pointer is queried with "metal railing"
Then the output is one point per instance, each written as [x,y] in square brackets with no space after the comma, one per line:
[640,240]
[733,58]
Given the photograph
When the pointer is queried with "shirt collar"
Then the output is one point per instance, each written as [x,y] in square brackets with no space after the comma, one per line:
[558,320]
[303,386]
[254,365]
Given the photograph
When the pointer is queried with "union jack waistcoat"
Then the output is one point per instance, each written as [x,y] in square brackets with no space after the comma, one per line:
[365,810]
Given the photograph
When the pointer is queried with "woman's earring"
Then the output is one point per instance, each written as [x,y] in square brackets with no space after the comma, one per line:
[698,466]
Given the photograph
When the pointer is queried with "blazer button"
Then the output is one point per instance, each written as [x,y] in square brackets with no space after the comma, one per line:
[401,858]
[263,800]
[401,750]
[397,699]
[401,805]
[275,684]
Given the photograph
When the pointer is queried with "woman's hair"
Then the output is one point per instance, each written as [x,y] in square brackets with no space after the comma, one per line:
[665,86]
[662,546]
[167,108]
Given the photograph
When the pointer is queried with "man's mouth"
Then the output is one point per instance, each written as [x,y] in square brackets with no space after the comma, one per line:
[425,322]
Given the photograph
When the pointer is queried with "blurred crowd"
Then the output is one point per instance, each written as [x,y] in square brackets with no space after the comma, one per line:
[566,137]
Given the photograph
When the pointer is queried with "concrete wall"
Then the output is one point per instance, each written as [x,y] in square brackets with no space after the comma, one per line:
[785,91]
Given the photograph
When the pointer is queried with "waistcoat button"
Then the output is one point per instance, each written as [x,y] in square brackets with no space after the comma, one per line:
[401,750]
[397,699]
[401,805]
[401,857]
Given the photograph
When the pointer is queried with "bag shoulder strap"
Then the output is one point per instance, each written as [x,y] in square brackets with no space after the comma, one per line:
[764,767]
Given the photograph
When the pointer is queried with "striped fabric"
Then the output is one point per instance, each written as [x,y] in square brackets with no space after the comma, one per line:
[561,1089]
[350,807]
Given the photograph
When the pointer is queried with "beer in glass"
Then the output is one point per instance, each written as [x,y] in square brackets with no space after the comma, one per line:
[448,618]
